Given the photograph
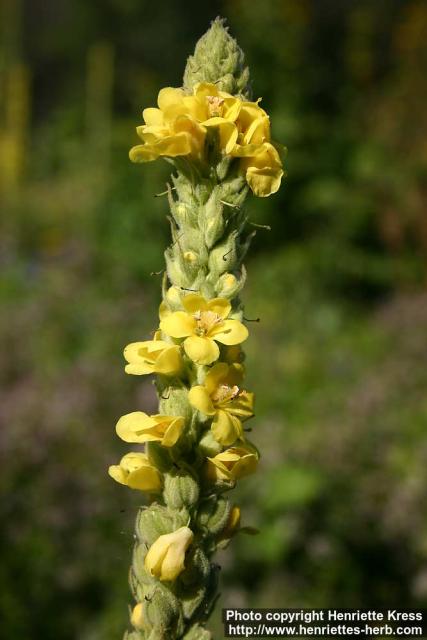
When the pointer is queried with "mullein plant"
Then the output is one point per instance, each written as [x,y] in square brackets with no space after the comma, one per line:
[196,450]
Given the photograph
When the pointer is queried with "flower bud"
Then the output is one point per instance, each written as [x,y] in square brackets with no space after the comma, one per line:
[181,489]
[223,256]
[137,617]
[152,522]
[228,285]
[208,446]
[214,514]
[162,614]
[166,556]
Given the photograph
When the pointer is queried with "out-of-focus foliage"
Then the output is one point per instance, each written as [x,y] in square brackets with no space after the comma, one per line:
[337,360]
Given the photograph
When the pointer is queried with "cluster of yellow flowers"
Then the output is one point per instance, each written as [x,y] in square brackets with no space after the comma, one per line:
[190,340]
[182,122]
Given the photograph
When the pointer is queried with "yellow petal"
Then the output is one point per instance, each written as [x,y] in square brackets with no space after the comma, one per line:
[169,96]
[178,324]
[199,398]
[246,465]
[226,428]
[169,362]
[166,556]
[131,426]
[264,182]
[164,310]
[201,350]
[205,89]
[242,405]
[227,132]
[146,478]
[117,473]
[230,332]
[220,306]
[258,131]
[143,153]
[194,302]
[215,376]
[232,108]
[139,369]
[173,432]
[153,117]
[196,108]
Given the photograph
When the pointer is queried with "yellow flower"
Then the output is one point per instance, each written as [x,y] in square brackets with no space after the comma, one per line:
[203,324]
[233,463]
[136,471]
[260,160]
[221,397]
[168,131]
[153,356]
[137,617]
[139,427]
[178,127]
[263,170]
[166,556]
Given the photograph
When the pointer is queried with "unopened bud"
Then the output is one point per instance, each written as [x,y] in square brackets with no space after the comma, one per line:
[181,489]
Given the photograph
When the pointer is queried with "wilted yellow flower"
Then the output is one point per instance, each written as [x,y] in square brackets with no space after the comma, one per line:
[139,427]
[153,356]
[166,556]
[137,617]
[233,463]
[203,324]
[221,397]
[136,471]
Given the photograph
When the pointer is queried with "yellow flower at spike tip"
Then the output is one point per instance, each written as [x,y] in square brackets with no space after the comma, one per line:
[203,324]
[139,427]
[221,397]
[137,617]
[178,127]
[166,556]
[233,463]
[168,131]
[136,471]
[153,356]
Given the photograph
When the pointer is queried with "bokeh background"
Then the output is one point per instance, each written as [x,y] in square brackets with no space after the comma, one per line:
[338,359]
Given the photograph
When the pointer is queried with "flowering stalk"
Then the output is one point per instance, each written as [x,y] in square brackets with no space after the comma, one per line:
[195,447]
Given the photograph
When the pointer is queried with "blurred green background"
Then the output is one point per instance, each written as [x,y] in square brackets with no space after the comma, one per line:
[337,360]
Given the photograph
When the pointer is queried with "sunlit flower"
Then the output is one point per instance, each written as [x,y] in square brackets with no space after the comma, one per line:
[179,125]
[166,556]
[136,471]
[168,131]
[221,397]
[260,160]
[153,356]
[263,170]
[233,463]
[203,324]
[139,427]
